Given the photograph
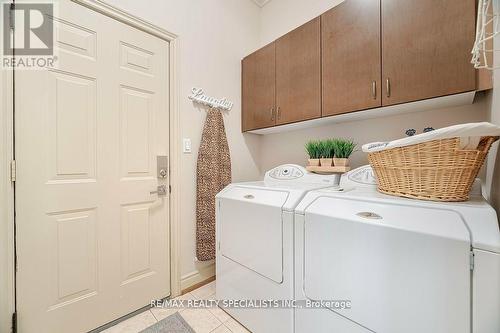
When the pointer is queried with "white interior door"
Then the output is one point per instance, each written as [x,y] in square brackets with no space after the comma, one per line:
[92,242]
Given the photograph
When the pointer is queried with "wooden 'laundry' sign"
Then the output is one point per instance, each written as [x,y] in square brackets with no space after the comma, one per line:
[198,96]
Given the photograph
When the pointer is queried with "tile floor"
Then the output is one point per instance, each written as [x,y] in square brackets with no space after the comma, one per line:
[213,320]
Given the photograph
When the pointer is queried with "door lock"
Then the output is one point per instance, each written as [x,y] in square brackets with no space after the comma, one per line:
[161,190]
[162,173]
[162,166]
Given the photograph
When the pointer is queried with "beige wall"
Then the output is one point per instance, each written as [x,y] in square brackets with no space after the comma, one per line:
[493,172]
[280,16]
[492,185]
[288,147]
[213,38]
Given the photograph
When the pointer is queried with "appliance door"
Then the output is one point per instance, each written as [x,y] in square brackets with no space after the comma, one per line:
[251,229]
[404,269]
[486,292]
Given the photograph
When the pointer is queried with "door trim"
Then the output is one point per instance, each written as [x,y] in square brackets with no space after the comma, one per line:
[7,248]
[129,19]
[175,152]
[7,223]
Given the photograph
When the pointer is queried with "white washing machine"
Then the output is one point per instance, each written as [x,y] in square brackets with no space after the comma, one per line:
[255,243]
[405,265]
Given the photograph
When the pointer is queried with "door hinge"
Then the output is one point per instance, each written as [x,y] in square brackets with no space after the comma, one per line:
[12,16]
[14,322]
[169,189]
[13,171]
[471,260]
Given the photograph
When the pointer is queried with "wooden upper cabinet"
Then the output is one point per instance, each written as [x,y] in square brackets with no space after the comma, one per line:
[258,89]
[298,74]
[350,54]
[359,55]
[426,48]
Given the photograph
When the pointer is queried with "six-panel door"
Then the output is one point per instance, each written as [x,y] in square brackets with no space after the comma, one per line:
[92,242]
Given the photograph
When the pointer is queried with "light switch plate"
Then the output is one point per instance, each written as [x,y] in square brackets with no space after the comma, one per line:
[186,146]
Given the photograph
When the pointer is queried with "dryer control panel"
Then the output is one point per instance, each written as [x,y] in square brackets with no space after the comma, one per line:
[298,174]
[362,176]
[286,172]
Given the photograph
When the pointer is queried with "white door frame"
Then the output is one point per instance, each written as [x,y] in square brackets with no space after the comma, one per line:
[7,239]
[7,261]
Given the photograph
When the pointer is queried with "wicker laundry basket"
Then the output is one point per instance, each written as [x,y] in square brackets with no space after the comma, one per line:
[436,170]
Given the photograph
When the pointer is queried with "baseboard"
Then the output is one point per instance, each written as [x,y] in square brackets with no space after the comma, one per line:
[198,285]
[196,277]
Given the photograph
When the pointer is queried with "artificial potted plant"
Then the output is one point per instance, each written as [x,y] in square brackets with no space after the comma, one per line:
[326,153]
[312,149]
[342,149]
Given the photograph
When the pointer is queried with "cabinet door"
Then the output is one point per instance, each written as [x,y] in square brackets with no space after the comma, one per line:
[298,74]
[350,55]
[426,48]
[258,89]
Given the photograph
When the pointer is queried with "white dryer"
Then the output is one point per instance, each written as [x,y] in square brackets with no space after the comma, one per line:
[405,265]
[255,244]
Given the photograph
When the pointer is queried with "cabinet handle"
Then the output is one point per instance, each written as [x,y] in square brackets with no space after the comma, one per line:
[279,113]
[388,87]
[272,114]
[374,89]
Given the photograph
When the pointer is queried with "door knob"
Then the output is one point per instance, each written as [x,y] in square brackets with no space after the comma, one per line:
[161,190]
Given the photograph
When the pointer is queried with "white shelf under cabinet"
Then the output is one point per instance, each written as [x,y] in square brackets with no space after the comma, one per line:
[423,105]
